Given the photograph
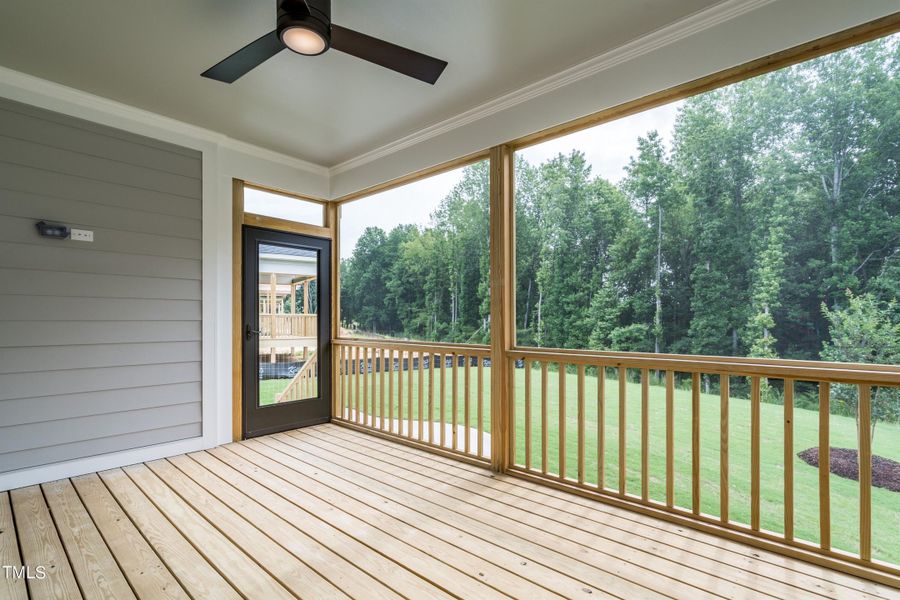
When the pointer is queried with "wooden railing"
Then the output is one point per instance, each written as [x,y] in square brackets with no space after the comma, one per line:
[433,394]
[638,428]
[287,325]
[305,384]
[711,442]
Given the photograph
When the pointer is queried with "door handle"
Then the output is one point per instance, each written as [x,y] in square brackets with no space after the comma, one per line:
[250,332]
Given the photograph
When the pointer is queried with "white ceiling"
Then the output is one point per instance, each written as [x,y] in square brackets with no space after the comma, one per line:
[325,109]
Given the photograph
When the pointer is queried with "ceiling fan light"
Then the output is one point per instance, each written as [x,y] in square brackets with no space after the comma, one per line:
[304,41]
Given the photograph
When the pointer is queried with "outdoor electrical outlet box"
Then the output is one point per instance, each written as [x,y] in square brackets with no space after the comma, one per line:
[82,235]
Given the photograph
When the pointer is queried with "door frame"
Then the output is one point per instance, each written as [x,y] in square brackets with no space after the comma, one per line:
[239,218]
[290,415]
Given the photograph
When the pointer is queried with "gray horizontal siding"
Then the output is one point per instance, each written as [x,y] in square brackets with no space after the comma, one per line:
[51,454]
[36,308]
[16,177]
[100,344]
[23,334]
[59,257]
[21,231]
[61,358]
[29,154]
[68,406]
[91,285]
[91,214]
[78,429]
[27,123]
[50,383]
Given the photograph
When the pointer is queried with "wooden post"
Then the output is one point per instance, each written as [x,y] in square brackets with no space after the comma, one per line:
[272,289]
[306,297]
[824,466]
[864,457]
[332,221]
[237,330]
[502,257]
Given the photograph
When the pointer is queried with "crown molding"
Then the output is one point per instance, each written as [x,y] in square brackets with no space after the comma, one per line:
[50,95]
[659,38]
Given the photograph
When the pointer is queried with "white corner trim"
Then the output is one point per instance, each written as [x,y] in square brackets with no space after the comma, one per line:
[659,38]
[274,157]
[72,468]
[50,95]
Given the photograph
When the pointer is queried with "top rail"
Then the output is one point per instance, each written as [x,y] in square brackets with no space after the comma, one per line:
[750,367]
[479,350]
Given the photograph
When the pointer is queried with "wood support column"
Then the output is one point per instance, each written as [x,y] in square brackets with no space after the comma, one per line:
[237,337]
[332,222]
[503,298]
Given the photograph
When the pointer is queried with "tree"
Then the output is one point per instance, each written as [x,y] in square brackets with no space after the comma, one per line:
[865,331]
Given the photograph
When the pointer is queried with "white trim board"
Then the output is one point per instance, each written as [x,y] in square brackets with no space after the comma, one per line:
[28,89]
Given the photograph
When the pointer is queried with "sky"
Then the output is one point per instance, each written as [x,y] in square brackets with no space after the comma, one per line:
[607,148]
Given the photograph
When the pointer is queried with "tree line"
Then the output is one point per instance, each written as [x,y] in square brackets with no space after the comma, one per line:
[767,227]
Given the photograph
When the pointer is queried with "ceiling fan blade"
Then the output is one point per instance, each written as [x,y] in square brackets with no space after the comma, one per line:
[246,59]
[388,55]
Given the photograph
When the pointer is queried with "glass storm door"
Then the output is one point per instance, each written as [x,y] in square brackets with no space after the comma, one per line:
[286,331]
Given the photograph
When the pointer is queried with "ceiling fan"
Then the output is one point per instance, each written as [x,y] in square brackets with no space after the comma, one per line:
[305,27]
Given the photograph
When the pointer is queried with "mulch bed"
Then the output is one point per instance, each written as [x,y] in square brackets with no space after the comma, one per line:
[885,472]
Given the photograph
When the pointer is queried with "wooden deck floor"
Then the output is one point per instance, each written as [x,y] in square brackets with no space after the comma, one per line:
[329,512]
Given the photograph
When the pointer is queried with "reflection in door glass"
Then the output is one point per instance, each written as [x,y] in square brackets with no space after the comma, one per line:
[288,325]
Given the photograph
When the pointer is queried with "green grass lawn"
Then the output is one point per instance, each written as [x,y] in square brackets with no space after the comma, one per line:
[269,387]
[844,492]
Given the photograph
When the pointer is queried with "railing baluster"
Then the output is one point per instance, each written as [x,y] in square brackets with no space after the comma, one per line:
[561,410]
[580,423]
[431,398]
[365,386]
[400,392]
[865,471]
[824,466]
[645,434]
[544,437]
[601,427]
[480,406]
[695,443]
[356,377]
[374,386]
[623,390]
[510,373]
[528,414]
[454,401]
[466,395]
[724,391]
[788,459]
[421,396]
[409,394]
[348,381]
[443,402]
[382,366]
[391,392]
[342,375]
[754,453]
[670,438]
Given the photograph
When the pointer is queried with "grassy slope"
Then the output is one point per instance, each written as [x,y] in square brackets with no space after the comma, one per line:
[844,492]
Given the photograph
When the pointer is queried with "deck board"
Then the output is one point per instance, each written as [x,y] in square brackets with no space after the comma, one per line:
[41,547]
[10,587]
[95,569]
[328,511]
